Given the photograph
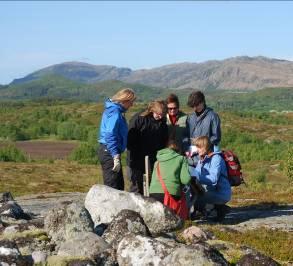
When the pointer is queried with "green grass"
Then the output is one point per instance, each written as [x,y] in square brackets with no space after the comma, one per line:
[59,176]
[273,243]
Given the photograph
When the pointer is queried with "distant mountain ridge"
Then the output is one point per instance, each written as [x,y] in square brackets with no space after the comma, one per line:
[237,73]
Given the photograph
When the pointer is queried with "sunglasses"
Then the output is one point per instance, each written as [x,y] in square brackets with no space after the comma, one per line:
[172,108]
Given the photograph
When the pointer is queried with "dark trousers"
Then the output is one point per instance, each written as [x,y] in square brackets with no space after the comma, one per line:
[111,178]
[136,178]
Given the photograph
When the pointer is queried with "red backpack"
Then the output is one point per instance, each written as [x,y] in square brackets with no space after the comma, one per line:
[233,168]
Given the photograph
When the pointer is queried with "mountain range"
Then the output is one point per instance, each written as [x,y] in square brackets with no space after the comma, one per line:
[237,73]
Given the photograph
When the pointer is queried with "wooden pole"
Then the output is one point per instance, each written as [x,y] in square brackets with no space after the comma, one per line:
[147,175]
[144,186]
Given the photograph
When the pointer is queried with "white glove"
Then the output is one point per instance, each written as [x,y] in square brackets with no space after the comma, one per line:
[117,163]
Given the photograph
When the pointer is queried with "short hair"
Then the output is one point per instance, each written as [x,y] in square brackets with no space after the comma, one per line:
[195,98]
[124,95]
[202,142]
[157,106]
[173,98]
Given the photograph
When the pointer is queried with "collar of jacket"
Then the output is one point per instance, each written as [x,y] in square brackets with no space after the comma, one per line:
[114,105]
[210,155]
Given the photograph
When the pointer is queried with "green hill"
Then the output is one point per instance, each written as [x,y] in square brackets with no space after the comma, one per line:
[57,87]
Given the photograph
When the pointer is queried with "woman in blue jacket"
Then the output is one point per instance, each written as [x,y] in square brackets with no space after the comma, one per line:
[211,172]
[113,137]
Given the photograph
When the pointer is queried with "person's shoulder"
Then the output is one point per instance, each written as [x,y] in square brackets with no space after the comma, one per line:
[182,115]
[211,112]
[217,156]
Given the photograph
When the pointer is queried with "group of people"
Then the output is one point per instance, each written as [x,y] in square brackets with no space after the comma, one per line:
[181,148]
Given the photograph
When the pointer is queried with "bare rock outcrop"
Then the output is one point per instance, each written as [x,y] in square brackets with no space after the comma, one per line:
[103,203]
[64,222]
[125,222]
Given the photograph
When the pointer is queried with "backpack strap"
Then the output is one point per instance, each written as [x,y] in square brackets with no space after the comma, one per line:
[161,179]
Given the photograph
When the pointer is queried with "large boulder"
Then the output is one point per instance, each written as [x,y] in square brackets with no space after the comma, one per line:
[84,244]
[140,250]
[124,222]
[64,222]
[103,204]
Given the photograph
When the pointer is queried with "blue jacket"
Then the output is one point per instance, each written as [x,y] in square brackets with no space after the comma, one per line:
[212,172]
[113,128]
[207,124]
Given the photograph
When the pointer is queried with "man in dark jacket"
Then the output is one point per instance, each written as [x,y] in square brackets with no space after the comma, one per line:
[148,133]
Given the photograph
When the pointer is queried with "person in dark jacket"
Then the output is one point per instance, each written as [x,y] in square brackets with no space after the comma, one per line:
[113,137]
[176,121]
[148,133]
[202,122]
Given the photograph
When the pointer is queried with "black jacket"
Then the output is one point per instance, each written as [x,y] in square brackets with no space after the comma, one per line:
[145,137]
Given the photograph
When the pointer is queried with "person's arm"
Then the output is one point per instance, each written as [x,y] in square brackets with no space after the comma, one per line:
[186,135]
[211,176]
[111,134]
[184,173]
[216,130]
[133,136]
[165,136]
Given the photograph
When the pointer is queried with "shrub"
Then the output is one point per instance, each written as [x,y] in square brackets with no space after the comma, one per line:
[259,177]
[84,154]
[289,164]
[10,153]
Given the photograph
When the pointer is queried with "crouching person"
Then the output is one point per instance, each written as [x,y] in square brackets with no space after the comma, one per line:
[211,172]
[169,176]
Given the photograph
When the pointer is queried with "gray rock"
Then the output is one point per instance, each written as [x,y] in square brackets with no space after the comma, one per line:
[40,204]
[10,254]
[62,223]
[256,259]
[125,222]
[194,255]
[83,244]
[107,258]
[103,204]
[68,261]
[15,228]
[140,250]
[39,257]
[13,210]
[6,196]
[79,262]
[193,234]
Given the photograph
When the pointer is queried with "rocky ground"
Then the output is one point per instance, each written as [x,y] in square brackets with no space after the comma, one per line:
[242,218]
[110,227]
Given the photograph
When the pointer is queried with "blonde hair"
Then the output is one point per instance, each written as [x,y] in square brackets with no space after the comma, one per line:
[158,106]
[124,95]
[202,142]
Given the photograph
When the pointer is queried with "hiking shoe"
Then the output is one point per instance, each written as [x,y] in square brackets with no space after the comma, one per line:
[222,210]
[198,215]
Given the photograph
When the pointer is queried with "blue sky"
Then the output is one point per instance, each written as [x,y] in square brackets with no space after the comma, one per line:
[139,34]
